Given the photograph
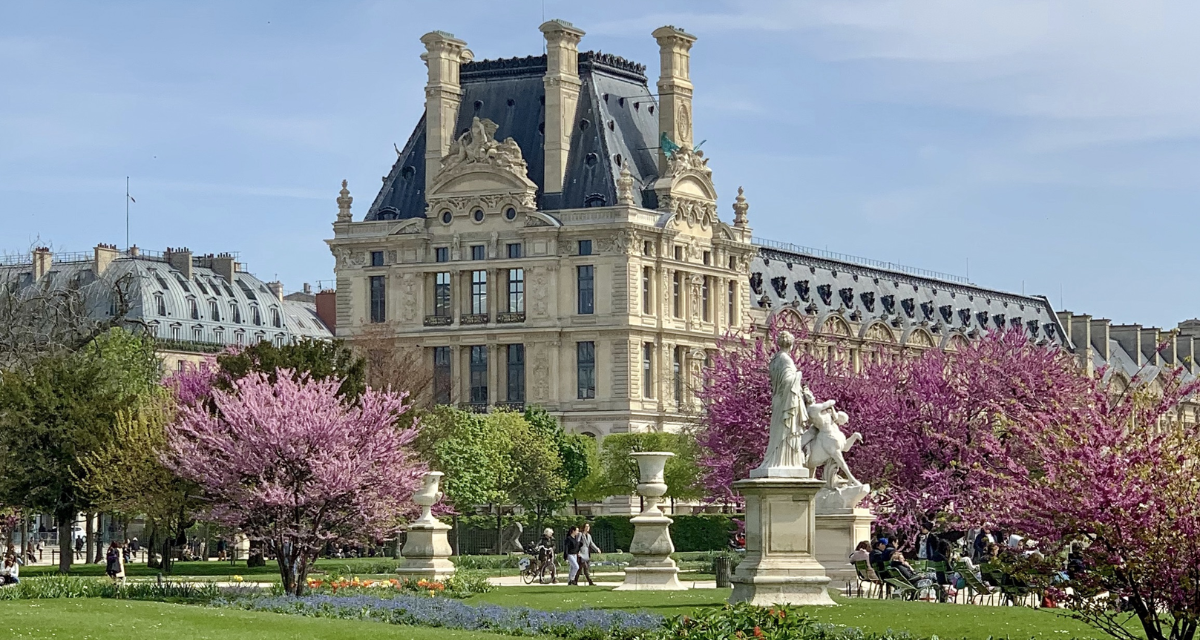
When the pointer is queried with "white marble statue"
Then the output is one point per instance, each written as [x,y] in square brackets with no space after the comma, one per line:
[825,443]
[785,455]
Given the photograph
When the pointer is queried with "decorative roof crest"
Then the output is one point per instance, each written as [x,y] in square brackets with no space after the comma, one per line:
[478,146]
[343,201]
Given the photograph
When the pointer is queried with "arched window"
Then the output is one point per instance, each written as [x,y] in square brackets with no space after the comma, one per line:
[195,308]
[161,304]
[276,319]
[214,312]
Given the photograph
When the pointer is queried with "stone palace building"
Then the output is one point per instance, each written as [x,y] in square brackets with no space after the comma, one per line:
[549,236]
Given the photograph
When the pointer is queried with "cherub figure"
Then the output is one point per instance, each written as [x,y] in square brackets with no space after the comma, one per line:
[826,443]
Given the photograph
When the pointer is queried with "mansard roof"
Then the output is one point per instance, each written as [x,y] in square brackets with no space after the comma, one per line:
[822,285]
[615,126]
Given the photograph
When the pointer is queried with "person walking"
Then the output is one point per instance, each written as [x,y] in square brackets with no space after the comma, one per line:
[586,547]
[114,563]
[571,553]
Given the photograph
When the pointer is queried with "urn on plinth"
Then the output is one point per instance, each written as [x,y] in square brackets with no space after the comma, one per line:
[652,568]
[427,549]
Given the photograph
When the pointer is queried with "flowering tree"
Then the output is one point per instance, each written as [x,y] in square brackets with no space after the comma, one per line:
[293,463]
[1119,490]
[932,425]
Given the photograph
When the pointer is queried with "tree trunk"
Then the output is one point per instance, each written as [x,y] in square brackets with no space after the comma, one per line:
[499,527]
[66,544]
[293,569]
[167,560]
[88,537]
[204,547]
[457,548]
[99,557]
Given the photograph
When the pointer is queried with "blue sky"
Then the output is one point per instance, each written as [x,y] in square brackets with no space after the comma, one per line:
[1053,146]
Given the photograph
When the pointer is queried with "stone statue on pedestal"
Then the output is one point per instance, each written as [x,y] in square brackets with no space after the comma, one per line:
[785,454]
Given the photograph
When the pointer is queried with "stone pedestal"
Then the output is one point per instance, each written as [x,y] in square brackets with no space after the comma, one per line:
[837,535]
[780,565]
[427,549]
[652,568]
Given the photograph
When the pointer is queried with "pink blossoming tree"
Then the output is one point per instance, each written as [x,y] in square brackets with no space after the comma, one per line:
[297,466]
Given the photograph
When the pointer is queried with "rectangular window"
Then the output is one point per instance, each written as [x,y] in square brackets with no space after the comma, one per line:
[175,333]
[677,372]
[516,373]
[648,370]
[378,300]
[585,247]
[441,294]
[647,283]
[478,252]
[376,258]
[479,364]
[479,292]
[704,299]
[514,250]
[441,254]
[677,295]
[197,334]
[678,252]
[732,263]
[516,291]
[732,320]
[441,375]
[586,282]
[585,369]
[707,257]
[648,248]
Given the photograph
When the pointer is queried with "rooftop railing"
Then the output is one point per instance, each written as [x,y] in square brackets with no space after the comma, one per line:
[866,262]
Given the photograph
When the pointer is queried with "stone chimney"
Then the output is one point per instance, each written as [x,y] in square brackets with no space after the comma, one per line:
[105,254]
[225,266]
[327,309]
[562,96]
[43,258]
[1129,336]
[181,259]
[276,289]
[674,87]
[444,54]
[307,289]
[1100,330]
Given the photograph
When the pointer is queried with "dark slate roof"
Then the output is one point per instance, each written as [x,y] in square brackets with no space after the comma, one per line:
[615,125]
[822,286]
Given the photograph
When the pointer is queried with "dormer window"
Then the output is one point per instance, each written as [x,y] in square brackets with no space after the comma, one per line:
[257,315]
[276,319]
[193,309]
[161,304]
[236,311]
[214,312]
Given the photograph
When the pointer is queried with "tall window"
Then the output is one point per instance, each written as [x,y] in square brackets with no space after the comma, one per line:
[677,295]
[376,258]
[441,375]
[161,303]
[732,302]
[194,308]
[257,314]
[704,299]
[197,334]
[277,320]
[648,370]
[214,312]
[585,369]
[219,335]
[516,290]
[236,312]
[678,252]
[378,300]
[677,371]
[647,281]
[479,292]
[586,285]
[478,252]
[441,254]
[175,333]
[441,294]
[516,373]
[479,385]
[514,250]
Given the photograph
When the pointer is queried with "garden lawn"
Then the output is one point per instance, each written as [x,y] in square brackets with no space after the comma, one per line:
[102,619]
[947,621]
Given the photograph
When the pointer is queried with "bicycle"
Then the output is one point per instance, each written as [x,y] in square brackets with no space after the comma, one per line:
[536,567]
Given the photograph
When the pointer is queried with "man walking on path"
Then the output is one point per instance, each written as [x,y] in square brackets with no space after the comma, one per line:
[571,553]
[586,547]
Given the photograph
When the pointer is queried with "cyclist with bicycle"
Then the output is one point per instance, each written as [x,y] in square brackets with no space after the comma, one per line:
[544,553]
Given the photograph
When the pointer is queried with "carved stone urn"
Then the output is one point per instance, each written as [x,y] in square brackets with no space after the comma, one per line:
[652,568]
[427,549]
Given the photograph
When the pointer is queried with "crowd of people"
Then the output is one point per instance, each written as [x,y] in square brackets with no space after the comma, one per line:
[950,561]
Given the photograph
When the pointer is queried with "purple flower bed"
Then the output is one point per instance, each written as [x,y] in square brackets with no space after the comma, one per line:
[453,614]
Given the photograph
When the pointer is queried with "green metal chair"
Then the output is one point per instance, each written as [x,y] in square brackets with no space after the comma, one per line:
[975,587]
[866,574]
[901,587]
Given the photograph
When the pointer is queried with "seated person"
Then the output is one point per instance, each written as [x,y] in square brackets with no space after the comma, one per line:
[877,558]
[901,566]
[861,553]
[10,570]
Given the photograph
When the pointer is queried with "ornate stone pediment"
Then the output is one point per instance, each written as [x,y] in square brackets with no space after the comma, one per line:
[686,189]
[479,171]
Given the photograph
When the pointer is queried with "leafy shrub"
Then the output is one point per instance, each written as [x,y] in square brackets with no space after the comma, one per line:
[578,624]
[465,583]
[739,621]
[701,532]
[59,587]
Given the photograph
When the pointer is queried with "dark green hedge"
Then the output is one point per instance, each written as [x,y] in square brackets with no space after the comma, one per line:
[707,532]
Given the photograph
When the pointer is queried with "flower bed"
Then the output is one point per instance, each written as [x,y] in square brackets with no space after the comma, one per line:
[452,614]
[459,585]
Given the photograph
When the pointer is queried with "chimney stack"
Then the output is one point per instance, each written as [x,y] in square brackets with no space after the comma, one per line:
[562,96]
[225,266]
[42,259]
[444,54]
[181,259]
[104,254]
[674,86]
[276,289]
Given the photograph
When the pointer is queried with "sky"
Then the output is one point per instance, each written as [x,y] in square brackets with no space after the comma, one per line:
[1045,147]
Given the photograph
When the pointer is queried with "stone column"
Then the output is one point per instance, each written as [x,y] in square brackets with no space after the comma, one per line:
[427,550]
[780,565]
[652,568]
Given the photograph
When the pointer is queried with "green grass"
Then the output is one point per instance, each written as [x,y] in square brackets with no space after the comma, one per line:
[947,621]
[96,619]
[213,570]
